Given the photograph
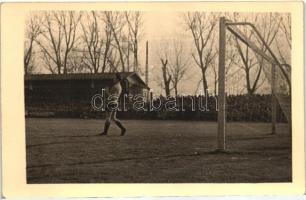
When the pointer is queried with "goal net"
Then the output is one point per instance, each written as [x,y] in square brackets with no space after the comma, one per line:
[270,81]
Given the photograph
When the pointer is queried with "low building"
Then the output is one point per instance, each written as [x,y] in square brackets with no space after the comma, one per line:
[60,92]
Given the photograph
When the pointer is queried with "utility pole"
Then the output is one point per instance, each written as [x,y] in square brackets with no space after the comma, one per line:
[147,63]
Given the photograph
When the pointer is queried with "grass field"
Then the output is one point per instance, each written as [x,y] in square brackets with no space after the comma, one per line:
[67,151]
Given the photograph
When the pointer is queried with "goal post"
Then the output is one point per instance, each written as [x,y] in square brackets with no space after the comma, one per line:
[273,101]
[221,85]
[225,25]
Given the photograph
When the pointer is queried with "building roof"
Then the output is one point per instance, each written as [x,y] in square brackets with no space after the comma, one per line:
[83,76]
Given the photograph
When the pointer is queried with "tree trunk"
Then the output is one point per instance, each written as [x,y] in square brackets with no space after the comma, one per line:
[205,86]
[167,88]
[135,56]
[166,79]
[248,84]
[128,58]
[175,90]
[65,69]
[216,82]
[27,58]
[58,68]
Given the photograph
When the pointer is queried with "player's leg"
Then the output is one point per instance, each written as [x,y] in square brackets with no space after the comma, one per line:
[107,123]
[118,123]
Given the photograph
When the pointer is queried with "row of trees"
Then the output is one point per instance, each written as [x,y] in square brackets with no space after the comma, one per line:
[203,28]
[98,42]
[93,42]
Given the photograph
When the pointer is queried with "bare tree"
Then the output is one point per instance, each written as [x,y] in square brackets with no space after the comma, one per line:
[201,25]
[230,61]
[113,60]
[163,56]
[93,42]
[32,32]
[247,60]
[97,42]
[284,39]
[253,64]
[116,22]
[76,62]
[134,22]
[48,62]
[58,38]
[166,76]
[286,28]
[178,64]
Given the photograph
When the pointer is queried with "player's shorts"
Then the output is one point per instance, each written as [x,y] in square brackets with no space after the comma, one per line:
[112,104]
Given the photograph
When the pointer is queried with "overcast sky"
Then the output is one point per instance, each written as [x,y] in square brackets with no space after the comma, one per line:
[166,26]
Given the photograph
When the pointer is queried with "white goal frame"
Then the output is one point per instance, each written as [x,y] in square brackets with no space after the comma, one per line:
[224,25]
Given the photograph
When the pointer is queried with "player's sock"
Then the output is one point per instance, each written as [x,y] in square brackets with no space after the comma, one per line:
[106,127]
[123,130]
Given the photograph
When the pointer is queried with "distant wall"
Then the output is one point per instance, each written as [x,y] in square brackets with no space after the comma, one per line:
[255,108]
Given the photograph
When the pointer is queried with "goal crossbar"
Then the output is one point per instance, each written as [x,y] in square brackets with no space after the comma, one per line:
[224,25]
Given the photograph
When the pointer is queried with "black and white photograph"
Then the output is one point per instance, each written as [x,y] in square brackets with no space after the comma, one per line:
[157,97]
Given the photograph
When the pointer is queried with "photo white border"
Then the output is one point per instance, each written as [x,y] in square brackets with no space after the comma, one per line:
[13,121]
